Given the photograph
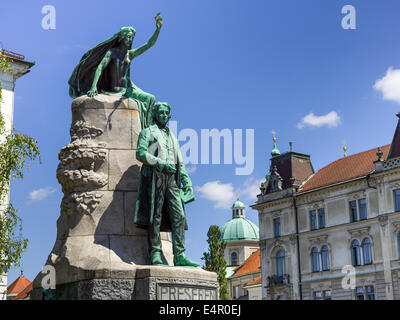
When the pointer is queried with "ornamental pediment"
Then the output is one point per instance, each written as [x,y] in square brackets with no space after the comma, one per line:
[357,195]
[276,214]
[318,240]
[359,232]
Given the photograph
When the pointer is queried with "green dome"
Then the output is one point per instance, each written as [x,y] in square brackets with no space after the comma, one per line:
[275,151]
[240,229]
[238,204]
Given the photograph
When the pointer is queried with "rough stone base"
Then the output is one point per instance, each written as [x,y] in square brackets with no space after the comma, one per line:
[150,283]
[96,289]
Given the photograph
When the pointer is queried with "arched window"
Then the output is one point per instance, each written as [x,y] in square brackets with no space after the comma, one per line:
[366,249]
[280,263]
[234,260]
[355,253]
[325,258]
[315,259]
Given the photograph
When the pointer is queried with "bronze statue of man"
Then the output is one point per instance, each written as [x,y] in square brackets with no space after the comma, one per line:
[164,187]
[106,69]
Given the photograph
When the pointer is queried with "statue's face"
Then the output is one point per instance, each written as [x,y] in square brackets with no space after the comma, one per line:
[128,38]
[162,115]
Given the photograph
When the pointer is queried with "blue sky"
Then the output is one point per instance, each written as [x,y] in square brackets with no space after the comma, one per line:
[256,64]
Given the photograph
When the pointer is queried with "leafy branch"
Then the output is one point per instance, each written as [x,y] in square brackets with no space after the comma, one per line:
[17,151]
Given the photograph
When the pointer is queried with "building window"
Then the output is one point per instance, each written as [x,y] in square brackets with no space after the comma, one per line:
[359,293]
[358,211]
[366,249]
[315,260]
[327,294]
[365,293]
[280,264]
[325,258]
[398,243]
[362,208]
[369,291]
[277,227]
[396,195]
[313,220]
[355,253]
[353,211]
[234,260]
[322,295]
[317,295]
[321,218]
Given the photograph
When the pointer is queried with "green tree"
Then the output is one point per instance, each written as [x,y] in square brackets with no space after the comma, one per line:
[16,152]
[215,259]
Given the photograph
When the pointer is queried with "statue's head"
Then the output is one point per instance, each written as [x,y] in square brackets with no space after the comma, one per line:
[161,113]
[127,34]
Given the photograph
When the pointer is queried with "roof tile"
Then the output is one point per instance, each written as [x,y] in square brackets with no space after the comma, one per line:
[24,293]
[18,285]
[344,169]
[251,264]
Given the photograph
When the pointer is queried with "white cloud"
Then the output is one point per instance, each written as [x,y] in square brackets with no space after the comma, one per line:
[40,194]
[222,194]
[389,85]
[251,188]
[191,169]
[330,119]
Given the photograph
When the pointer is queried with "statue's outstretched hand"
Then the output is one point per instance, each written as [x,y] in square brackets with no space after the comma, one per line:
[92,92]
[158,20]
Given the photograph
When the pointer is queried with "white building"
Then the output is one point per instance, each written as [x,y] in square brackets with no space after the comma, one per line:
[315,226]
[18,68]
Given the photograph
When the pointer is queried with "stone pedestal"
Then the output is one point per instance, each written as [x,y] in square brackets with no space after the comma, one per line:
[142,283]
[98,250]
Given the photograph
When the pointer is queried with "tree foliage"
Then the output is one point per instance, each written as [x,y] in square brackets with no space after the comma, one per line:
[215,259]
[16,152]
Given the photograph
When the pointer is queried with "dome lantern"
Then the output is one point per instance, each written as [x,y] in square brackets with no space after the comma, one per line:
[238,209]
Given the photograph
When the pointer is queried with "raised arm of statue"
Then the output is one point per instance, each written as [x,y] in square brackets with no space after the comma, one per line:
[106,60]
[138,51]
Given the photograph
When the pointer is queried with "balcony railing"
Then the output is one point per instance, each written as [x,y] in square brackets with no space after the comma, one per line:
[276,280]
[12,54]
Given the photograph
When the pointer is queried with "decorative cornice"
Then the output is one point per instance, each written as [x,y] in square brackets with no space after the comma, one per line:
[357,195]
[309,196]
[319,240]
[277,242]
[339,185]
[396,225]
[293,239]
[359,232]
[276,214]
[383,220]
[274,203]
[394,185]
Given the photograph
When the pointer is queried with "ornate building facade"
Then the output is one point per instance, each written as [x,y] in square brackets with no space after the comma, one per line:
[333,234]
